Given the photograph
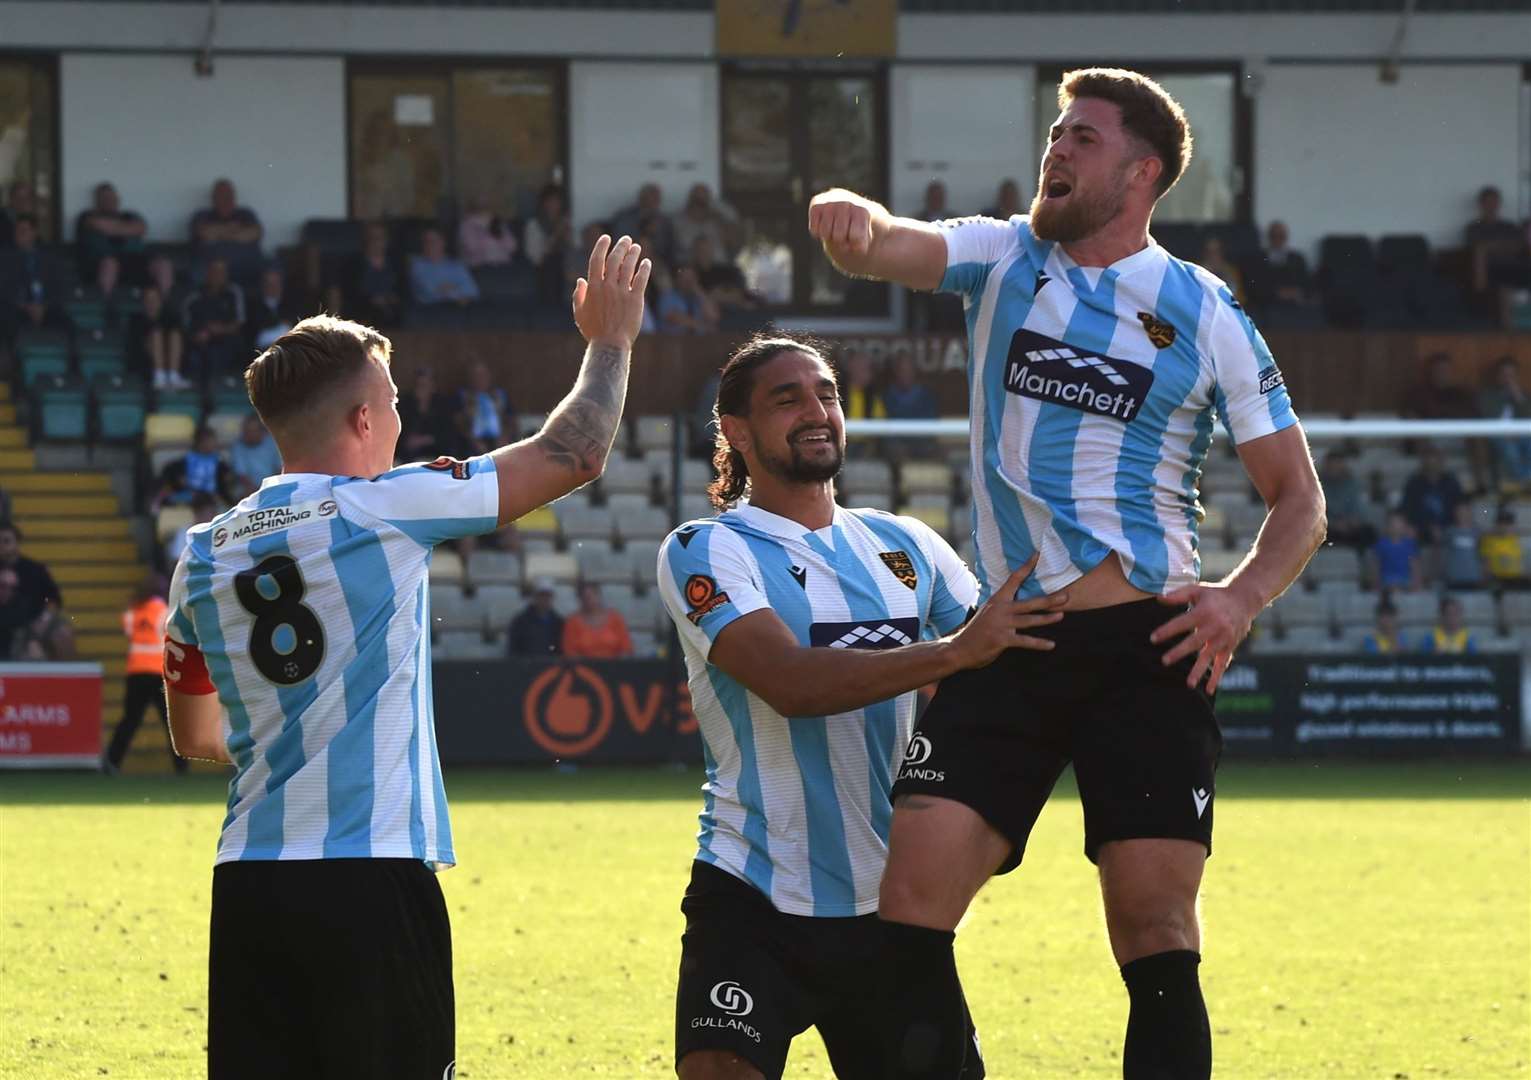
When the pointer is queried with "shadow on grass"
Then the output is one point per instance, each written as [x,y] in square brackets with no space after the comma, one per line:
[1328,779]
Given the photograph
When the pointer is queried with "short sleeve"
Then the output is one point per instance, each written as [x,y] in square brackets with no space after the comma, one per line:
[973,246]
[1250,393]
[707,580]
[431,502]
[955,592]
[179,626]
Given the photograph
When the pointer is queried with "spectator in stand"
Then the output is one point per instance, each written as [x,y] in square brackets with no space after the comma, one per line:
[437,278]
[107,229]
[1441,397]
[549,234]
[647,218]
[537,630]
[685,307]
[1385,637]
[905,396]
[1349,519]
[28,284]
[144,625]
[1498,248]
[13,615]
[1284,278]
[204,508]
[1395,556]
[704,216]
[484,238]
[424,413]
[19,202]
[271,313]
[35,587]
[254,456]
[1430,496]
[1449,637]
[214,319]
[119,303]
[1502,554]
[201,470]
[722,280]
[1461,551]
[595,630]
[162,275]
[230,232]
[1215,260]
[1505,399]
[490,417]
[457,436]
[48,638]
[156,343]
[371,289]
[1007,201]
[934,208]
[858,389]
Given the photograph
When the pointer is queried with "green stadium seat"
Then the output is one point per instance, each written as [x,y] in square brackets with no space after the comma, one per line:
[120,407]
[86,314]
[62,408]
[180,403]
[230,396]
[101,359]
[41,353]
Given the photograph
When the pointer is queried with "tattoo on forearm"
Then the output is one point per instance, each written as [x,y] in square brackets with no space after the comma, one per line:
[579,433]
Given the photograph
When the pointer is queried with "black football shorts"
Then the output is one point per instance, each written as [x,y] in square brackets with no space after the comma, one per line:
[752,978]
[1144,746]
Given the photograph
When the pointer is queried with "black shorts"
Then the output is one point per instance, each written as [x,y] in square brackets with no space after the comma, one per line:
[329,968]
[753,978]
[1145,746]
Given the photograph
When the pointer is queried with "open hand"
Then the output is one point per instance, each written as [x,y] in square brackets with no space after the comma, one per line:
[608,304]
[1216,624]
[999,623]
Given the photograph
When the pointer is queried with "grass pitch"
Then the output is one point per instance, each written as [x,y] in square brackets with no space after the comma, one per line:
[1361,921]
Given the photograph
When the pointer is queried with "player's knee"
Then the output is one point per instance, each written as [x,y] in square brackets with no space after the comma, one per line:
[907,896]
[1145,929]
[716,1065]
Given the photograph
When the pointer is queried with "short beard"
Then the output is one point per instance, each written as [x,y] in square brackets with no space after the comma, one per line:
[795,469]
[1083,217]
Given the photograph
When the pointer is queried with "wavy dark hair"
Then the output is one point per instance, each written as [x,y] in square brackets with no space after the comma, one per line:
[735,385]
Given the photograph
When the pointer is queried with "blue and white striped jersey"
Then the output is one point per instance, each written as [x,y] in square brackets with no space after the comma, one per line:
[800,807]
[1091,400]
[310,605]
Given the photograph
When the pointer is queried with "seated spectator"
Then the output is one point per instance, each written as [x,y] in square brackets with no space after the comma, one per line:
[107,229]
[905,396]
[1502,554]
[48,638]
[1213,258]
[271,313]
[1349,519]
[424,414]
[595,630]
[1395,556]
[204,508]
[1385,637]
[172,288]
[254,456]
[1505,399]
[1497,248]
[1430,496]
[1283,277]
[1449,636]
[1461,551]
[19,202]
[230,232]
[155,341]
[371,288]
[934,208]
[490,417]
[29,284]
[484,238]
[549,234]
[647,218]
[537,630]
[34,588]
[704,216]
[437,278]
[118,302]
[685,307]
[201,470]
[858,389]
[1441,397]
[213,318]
[1007,201]
[456,438]
[720,279]
[14,616]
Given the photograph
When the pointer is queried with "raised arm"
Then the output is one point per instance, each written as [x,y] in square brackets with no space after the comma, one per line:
[571,449]
[796,680]
[864,240]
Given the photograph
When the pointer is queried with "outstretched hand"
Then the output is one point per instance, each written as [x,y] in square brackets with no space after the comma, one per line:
[1216,623]
[608,303]
[999,623]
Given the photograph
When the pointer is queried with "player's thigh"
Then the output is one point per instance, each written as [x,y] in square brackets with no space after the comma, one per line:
[716,1065]
[1149,890]
[940,853]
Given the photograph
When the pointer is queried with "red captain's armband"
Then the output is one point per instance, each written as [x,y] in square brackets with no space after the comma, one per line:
[185,670]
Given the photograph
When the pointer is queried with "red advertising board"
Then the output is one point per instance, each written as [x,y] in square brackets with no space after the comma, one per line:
[50,715]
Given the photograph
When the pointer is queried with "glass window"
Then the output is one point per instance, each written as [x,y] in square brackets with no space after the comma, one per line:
[28,103]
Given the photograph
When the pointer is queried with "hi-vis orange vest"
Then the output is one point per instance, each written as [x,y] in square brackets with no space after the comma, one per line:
[145,627]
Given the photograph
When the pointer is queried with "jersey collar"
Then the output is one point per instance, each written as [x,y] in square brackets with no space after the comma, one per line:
[1152,255]
[785,528]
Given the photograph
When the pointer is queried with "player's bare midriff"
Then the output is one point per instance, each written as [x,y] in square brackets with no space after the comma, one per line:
[1104,586]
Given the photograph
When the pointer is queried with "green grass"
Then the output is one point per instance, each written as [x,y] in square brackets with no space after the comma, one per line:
[1362,921]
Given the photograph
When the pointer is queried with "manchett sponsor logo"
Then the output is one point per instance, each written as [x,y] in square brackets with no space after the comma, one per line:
[1046,369]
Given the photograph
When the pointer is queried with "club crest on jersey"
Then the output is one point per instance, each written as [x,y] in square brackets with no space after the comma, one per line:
[901,565]
[457,467]
[1046,369]
[703,597]
[1161,333]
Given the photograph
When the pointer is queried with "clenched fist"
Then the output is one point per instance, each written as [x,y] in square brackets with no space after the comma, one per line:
[846,224]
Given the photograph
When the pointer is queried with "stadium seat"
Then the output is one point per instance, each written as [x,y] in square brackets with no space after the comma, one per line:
[119,402]
[539,522]
[925,477]
[488,567]
[603,545]
[644,557]
[226,426]
[179,402]
[659,462]
[229,395]
[585,522]
[454,609]
[1218,563]
[557,566]
[467,645]
[1330,563]
[501,604]
[339,235]
[528,424]
[161,456]
[1477,607]
[645,642]
[1348,278]
[655,433]
[172,520]
[1181,239]
[538,542]
[62,406]
[168,429]
[694,505]
[446,566]
[650,524]
[1298,608]
[1515,608]
[604,566]
[937,517]
[101,352]
[41,357]
[1310,639]
[1416,609]
[695,475]
[625,474]
[624,502]
[864,478]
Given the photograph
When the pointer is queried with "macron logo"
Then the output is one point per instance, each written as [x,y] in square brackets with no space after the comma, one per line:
[1201,797]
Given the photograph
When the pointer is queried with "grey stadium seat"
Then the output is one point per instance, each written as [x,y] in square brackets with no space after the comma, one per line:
[452,609]
[501,603]
[488,567]
[584,522]
[650,524]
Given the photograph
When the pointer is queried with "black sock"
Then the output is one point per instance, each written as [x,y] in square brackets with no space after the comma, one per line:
[927,1014]
[1168,1037]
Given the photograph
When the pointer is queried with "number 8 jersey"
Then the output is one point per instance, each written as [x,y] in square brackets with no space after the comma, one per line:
[308,604]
